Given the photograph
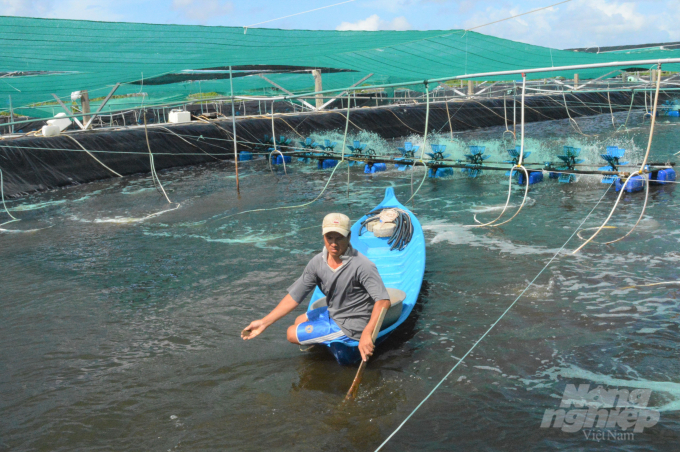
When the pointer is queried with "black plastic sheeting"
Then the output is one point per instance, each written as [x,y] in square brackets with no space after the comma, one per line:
[33,164]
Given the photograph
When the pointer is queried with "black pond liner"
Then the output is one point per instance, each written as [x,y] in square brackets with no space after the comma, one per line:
[33,164]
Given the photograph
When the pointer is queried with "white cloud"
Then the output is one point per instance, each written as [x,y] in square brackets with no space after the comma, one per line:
[64,9]
[585,23]
[24,7]
[374,23]
[203,10]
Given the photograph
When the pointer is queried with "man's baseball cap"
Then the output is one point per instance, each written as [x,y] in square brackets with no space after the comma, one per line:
[336,222]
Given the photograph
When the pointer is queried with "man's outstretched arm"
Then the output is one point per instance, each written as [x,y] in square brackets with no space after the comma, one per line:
[256,327]
[366,345]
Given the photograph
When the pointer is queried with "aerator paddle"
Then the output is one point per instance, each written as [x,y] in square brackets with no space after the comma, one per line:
[352,393]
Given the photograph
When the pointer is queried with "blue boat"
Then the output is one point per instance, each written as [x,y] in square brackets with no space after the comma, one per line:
[401,270]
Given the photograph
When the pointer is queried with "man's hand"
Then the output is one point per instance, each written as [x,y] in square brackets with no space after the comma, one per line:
[253,330]
[366,346]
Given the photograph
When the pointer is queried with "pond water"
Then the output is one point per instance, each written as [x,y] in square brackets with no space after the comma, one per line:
[121,313]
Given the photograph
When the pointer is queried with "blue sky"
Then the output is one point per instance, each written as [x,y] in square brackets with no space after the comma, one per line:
[580,23]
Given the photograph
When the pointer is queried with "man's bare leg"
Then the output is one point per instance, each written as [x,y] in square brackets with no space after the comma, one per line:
[291,334]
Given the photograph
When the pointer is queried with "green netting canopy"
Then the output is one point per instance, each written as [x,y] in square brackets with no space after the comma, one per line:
[44,56]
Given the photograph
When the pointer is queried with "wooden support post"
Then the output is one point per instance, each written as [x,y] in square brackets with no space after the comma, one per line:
[576,81]
[101,106]
[318,86]
[85,103]
[233,125]
[68,111]
[471,88]
[11,114]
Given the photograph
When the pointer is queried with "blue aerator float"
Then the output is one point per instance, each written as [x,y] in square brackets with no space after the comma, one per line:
[372,168]
[662,176]
[278,159]
[669,108]
[245,155]
[535,176]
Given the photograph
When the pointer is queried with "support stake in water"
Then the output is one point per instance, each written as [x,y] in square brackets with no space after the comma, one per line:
[233,125]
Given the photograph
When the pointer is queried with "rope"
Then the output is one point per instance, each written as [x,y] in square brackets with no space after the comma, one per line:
[505,115]
[283,159]
[512,170]
[90,154]
[644,207]
[344,141]
[517,15]
[611,111]
[640,172]
[191,144]
[245,29]
[448,118]
[490,328]
[406,125]
[293,128]
[422,151]
[629,108]
[154,176]
[572,121]
[2,193]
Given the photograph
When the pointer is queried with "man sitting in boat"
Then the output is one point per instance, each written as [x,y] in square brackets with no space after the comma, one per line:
[354,290]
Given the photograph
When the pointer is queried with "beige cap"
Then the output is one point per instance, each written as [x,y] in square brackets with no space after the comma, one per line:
[336,222]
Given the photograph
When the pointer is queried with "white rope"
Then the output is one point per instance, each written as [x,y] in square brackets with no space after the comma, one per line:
[422,151]
[490,328]
[90,154]
[2,193]
[245,29]
[283,159]
[344,141]
[512,170]
[638,172]
[154,175]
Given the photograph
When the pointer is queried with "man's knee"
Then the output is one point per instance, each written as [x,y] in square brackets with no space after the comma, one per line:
[291,334]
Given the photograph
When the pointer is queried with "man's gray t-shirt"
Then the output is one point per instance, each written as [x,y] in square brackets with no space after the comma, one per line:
[351,290]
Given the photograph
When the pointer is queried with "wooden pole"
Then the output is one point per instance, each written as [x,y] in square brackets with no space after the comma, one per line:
[233,126]
[11,114]
[318,86]
[85,102]
[471,88]
[352,393]
[576,81]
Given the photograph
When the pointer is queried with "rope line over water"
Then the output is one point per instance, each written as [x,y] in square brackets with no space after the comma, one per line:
[519,165]
[154,175]
[639,172]
[2,194]
[344,141]
[493,325]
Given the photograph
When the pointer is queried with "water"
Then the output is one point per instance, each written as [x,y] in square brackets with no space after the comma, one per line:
[121,318]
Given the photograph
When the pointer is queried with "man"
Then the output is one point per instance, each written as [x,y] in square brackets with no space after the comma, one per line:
[354,291]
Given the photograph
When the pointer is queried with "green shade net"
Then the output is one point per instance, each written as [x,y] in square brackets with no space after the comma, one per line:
[61,56]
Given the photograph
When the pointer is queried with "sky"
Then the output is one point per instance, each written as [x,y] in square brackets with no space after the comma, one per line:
[579,23]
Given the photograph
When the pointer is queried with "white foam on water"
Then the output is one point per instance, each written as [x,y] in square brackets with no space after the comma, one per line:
[458,234]
[494,369]
[126,220]
[669,388]
[36,206]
